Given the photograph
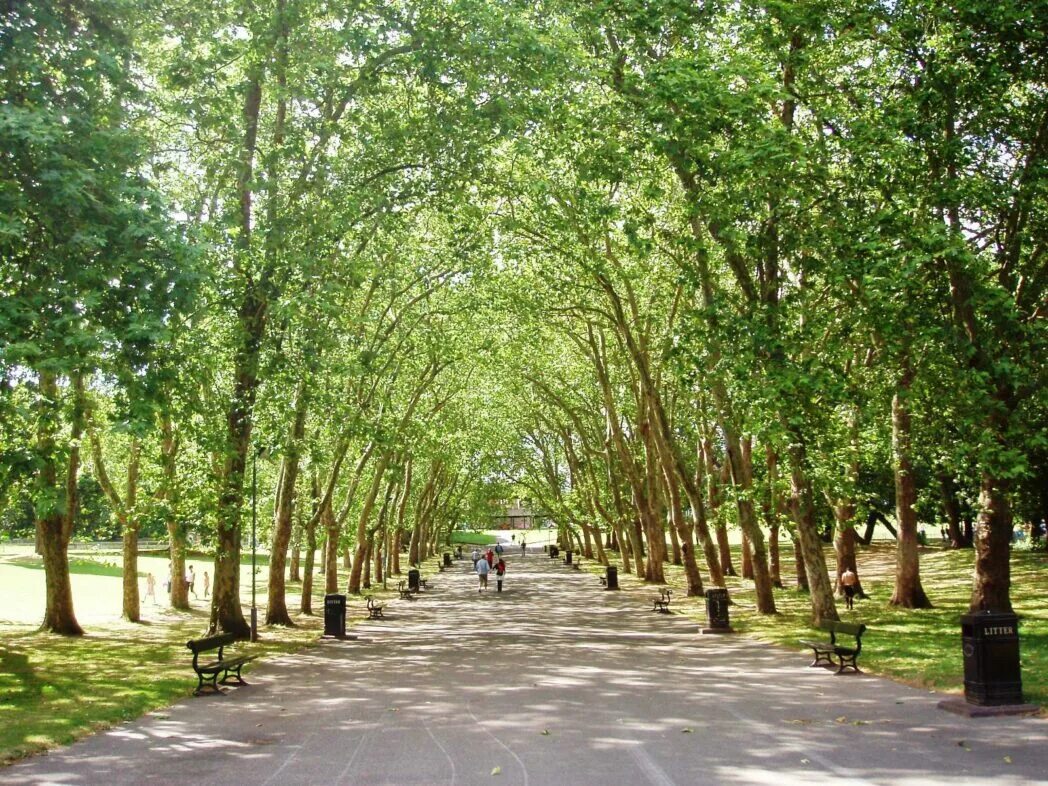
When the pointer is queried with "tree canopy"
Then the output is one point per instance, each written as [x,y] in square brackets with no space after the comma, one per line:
[663,269]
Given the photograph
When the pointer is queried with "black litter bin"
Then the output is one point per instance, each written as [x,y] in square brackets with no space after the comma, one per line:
[335,616]
[990,642]
[717,608]
[447,559]
[414,580]
[612,577]
[567,557]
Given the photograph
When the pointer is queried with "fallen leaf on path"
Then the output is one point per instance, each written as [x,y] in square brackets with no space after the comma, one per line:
[842,719]
[497,771]
[686,731]
[799,721]
[1007,759]
[805,761]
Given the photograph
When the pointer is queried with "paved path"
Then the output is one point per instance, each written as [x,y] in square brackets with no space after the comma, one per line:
[551,682]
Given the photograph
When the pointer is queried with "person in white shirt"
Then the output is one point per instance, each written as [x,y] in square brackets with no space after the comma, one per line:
[482,567]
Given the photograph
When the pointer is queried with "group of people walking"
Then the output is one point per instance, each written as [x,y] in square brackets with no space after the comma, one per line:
[488,563]
[190,580]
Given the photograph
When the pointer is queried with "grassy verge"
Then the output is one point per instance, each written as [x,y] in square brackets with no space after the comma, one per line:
[55,689]
[917,647]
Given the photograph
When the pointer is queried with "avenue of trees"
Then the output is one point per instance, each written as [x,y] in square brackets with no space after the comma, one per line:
[667,269]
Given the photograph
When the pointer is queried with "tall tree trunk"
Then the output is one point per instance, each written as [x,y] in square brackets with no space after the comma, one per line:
[54,523]
[798,566]
[908,591]
[772,510]
[176,531]
[276,611]
[306,606]
[360,561]
[226,611]
[365,561]
[717,479]
[959,539]
[993,529]
[332,534]
[844,547]
[746,558]
[742,476]
[803,506]
[295,563]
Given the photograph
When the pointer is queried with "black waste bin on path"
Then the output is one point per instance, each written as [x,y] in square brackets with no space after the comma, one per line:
[447,559]
[414,580]
[717,610]
[990,642]
[335,616]
[612,573]
[567,557]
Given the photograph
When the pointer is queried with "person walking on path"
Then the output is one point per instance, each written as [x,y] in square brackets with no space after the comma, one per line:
[151,587]
[500,571]
[207,584]
[849,581]
[523,548]
[498,549]
[476,556]
[191,581]
[490,557]
[482,567]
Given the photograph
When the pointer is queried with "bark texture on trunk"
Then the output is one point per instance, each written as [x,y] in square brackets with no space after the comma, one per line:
[908,591]
[54,525]
[283,514]
[822,603]
[993,529]
[798,566]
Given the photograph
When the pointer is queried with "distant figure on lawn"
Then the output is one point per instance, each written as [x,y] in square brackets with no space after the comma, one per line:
[151,587]
[482,567]
[500,571]
[207,584]
[849,581]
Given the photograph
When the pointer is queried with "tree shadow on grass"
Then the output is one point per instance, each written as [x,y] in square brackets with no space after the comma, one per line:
[18,679]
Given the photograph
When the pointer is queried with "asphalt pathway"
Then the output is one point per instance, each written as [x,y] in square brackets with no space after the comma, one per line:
[553,681]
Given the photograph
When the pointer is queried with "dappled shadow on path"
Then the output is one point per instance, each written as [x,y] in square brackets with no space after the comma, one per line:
[549,681]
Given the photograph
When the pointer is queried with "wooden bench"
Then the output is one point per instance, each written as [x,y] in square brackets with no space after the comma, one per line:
[662,602]
[374,610]
[826,651]
[405,593]
[227,667]
[603,581]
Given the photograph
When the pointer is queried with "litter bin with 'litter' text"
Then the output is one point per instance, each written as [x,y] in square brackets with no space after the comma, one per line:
[335,616]
[612,577]
[414,580]
[990,643]
[717,611]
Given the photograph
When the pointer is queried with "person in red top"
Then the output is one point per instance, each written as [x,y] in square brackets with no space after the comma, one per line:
[500,571]
[490,556]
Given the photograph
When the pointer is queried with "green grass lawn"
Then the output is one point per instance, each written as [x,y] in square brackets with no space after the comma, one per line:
[83,566]
[918,647]
[54,689]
